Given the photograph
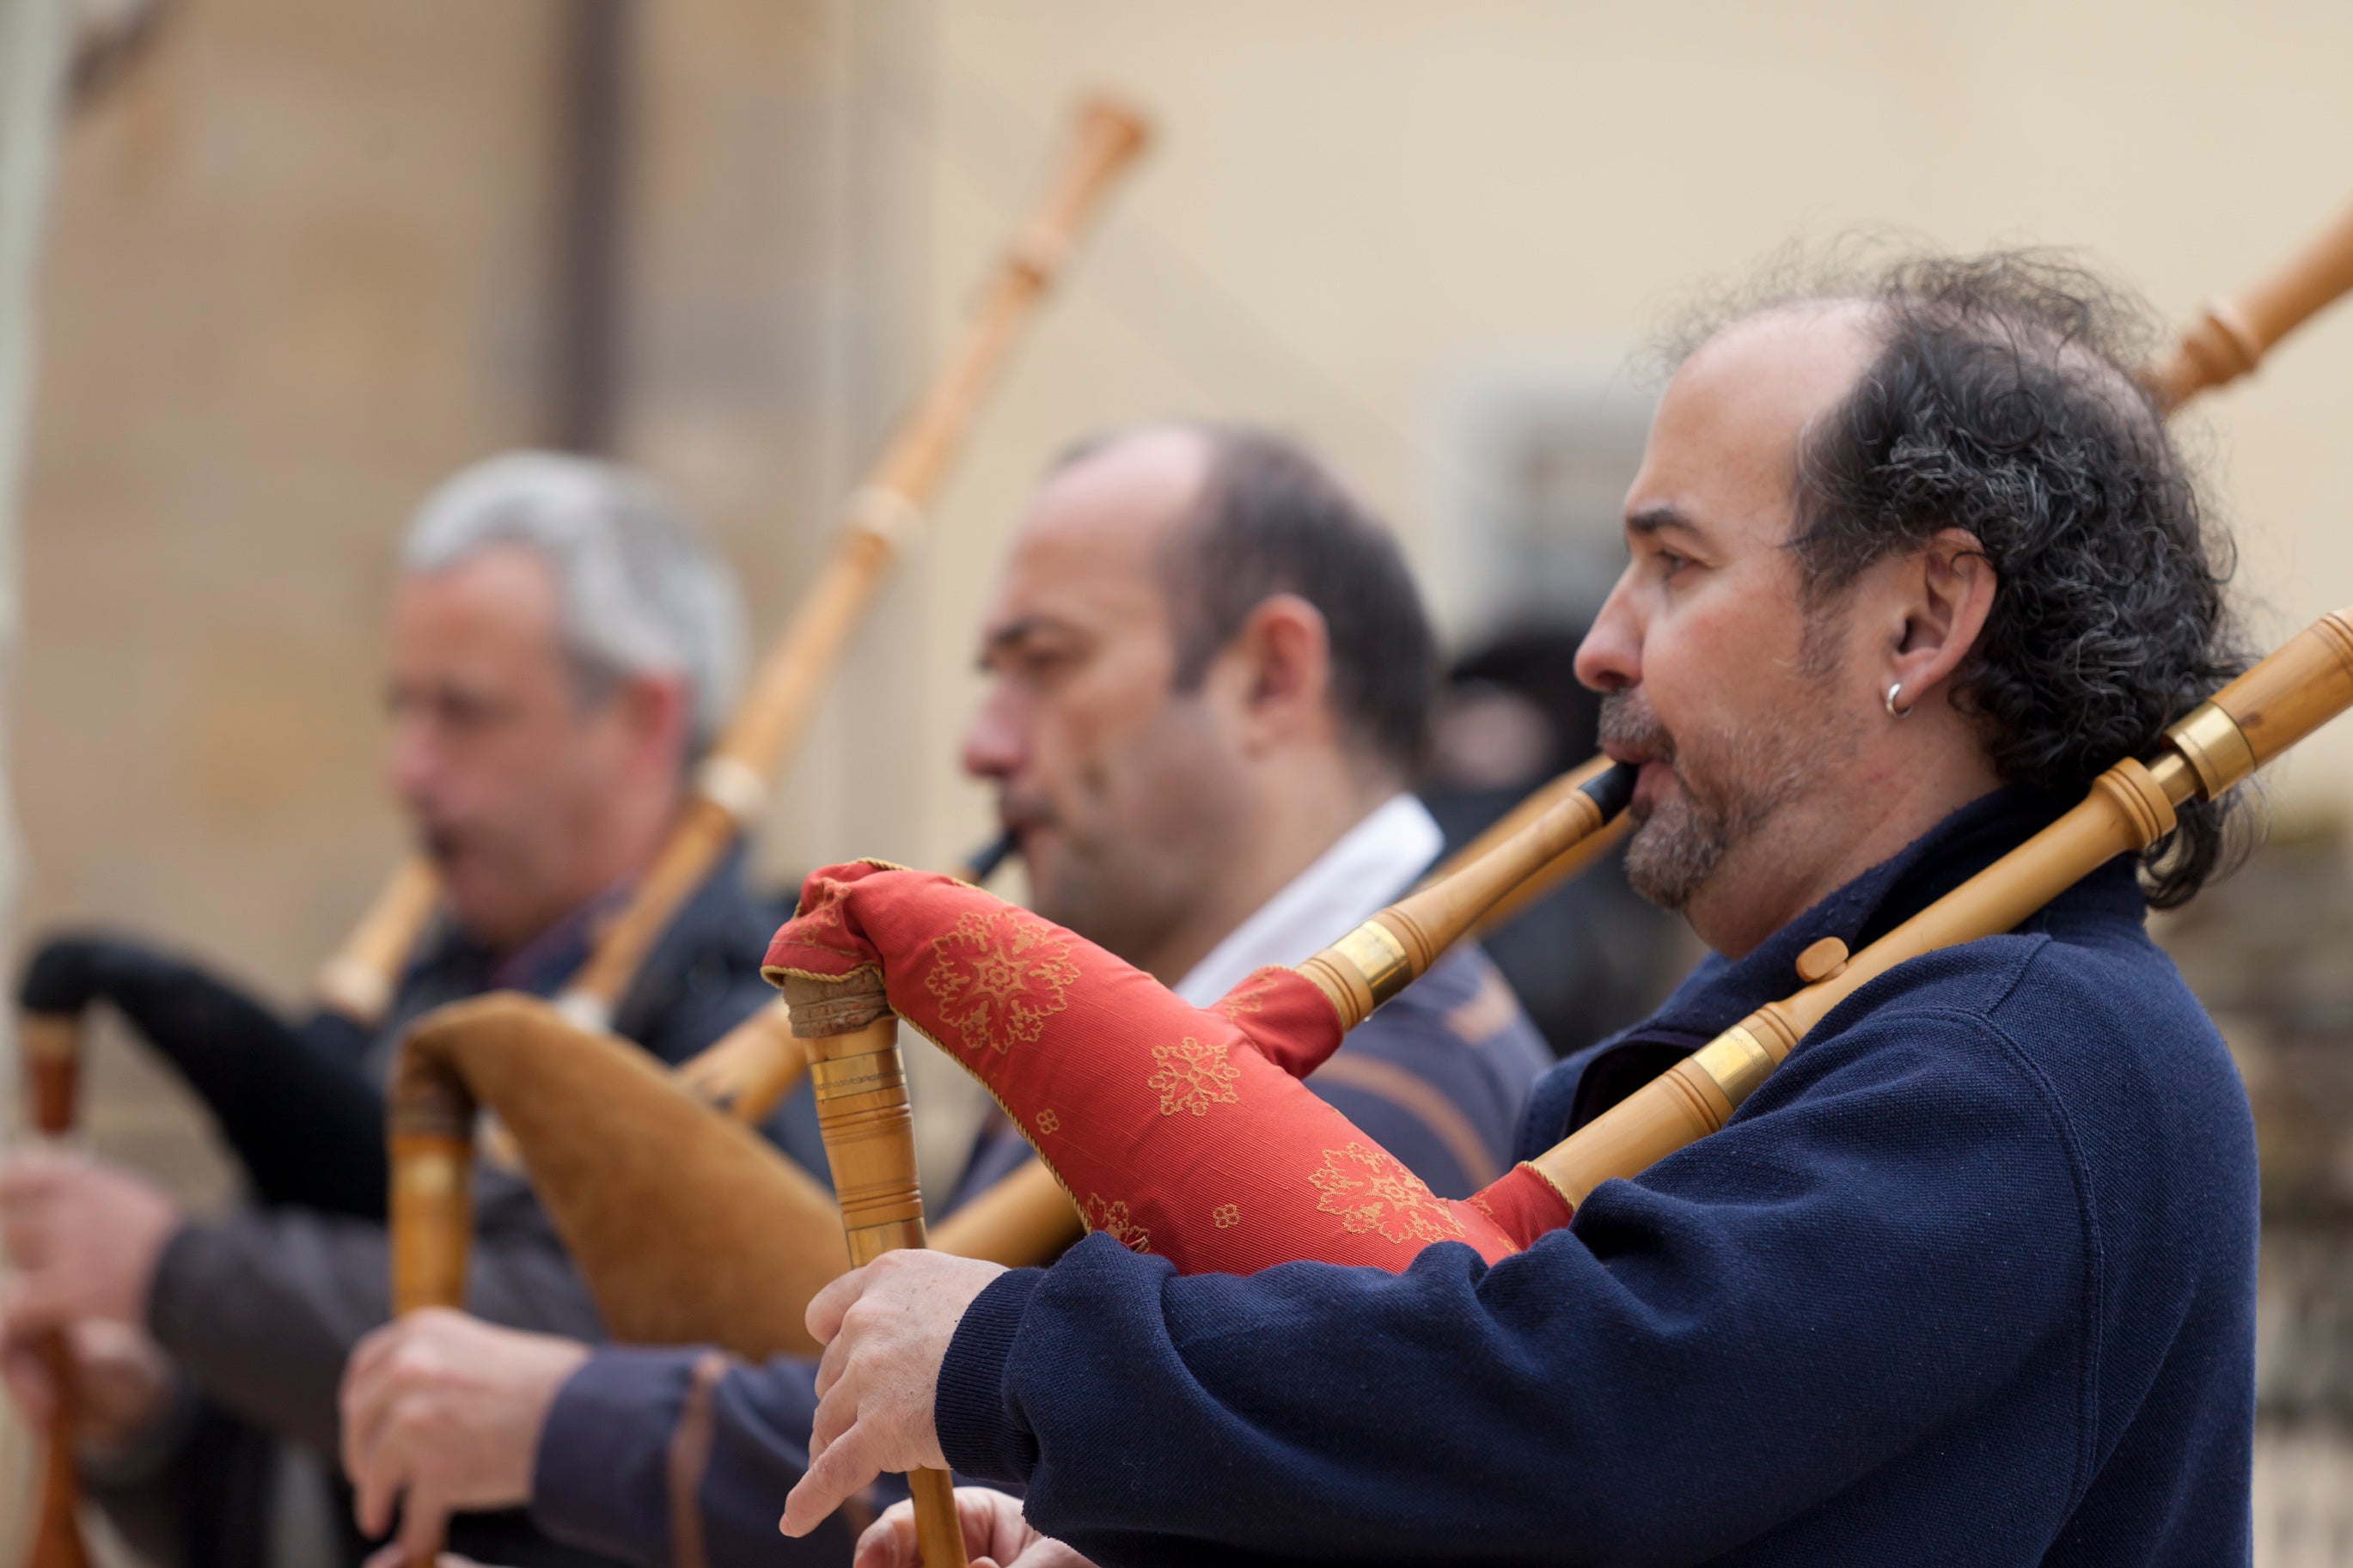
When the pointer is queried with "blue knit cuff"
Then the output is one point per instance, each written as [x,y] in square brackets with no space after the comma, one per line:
[979,1433]
[601,1478]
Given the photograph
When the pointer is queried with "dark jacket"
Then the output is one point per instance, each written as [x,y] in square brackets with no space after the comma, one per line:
[1437,1076]
[1971,1279]
[261,1307]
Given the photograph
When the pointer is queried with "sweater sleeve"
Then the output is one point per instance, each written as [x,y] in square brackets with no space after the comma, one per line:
[680,1456]
[1885,1235]
[262,1308]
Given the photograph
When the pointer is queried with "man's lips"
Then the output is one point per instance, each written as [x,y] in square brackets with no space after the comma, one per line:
[1024,831]
[1652,781]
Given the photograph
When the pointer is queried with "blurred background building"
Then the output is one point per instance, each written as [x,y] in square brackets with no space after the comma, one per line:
[301,261]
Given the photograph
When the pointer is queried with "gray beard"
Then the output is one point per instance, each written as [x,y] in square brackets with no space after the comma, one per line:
[1733,786]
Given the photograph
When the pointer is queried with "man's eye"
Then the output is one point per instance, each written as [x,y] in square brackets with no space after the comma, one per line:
[1669,563]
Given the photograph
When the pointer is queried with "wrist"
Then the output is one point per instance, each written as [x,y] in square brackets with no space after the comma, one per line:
[979,1434]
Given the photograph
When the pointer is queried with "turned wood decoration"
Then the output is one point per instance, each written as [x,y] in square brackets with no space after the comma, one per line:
[51,1046]
[1398,945]
[2307,683]
[2231,337]
[862,1113]
[883,515]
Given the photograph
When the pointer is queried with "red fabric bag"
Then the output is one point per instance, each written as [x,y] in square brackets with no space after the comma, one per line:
[1180,1131]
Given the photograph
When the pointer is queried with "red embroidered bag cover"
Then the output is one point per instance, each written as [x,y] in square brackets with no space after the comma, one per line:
[1180,1131]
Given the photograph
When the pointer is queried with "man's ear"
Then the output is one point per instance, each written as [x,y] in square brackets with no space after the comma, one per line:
[656,716]
[1946,595]
[1284,655]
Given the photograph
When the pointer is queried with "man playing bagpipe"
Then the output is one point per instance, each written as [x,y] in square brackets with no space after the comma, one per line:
[1209,678]
[562,646]
[1970,1278]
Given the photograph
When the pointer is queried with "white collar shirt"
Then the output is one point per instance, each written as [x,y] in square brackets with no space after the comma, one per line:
[1362,872]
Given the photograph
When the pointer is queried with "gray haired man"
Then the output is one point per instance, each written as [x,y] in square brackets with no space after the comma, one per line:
[562,646]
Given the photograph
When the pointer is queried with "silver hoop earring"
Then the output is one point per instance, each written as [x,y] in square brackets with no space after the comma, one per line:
[1892,711]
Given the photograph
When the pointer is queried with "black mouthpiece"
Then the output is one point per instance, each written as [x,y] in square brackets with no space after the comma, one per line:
[982,864]
[1612,788]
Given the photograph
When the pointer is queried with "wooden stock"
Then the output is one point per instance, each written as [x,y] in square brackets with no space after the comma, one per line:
[431,1208]
[2230,336]
[882,515]
[2307,683]
[51,1046]
[1396,946]
[869,1140]
[357,981]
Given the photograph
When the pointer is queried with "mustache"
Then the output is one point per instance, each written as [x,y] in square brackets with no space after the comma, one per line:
[1019,811]
[1628,722]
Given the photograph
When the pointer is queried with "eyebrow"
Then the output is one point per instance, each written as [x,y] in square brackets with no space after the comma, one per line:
[1013,633]
[1655,520]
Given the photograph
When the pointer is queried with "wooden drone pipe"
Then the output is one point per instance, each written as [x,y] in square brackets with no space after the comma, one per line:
[863,1114]
[51,1045]
[2231,337]
[1023,1221]
[882,515]
[1570,862]
[359,977]
[751,1068]
[2214,747]
[1396,946]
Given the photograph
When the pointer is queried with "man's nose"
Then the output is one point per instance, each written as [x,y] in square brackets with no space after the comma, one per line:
[995,744]
[1610,657]
[413,761]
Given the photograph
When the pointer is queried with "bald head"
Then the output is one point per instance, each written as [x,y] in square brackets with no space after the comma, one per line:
[1133,488]
[1200,639]
[1724,444]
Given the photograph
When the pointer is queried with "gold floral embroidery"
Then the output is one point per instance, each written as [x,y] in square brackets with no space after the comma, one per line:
[1372,1192]
[1000,977]
[1225,1216]
[1112,1221]
[1049,1123]
[1193,1076]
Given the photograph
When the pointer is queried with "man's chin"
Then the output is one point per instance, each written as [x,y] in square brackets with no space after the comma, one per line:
[1669,860]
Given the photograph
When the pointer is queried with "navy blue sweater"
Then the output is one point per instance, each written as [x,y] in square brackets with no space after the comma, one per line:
[1971,1279]
[646,1450]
